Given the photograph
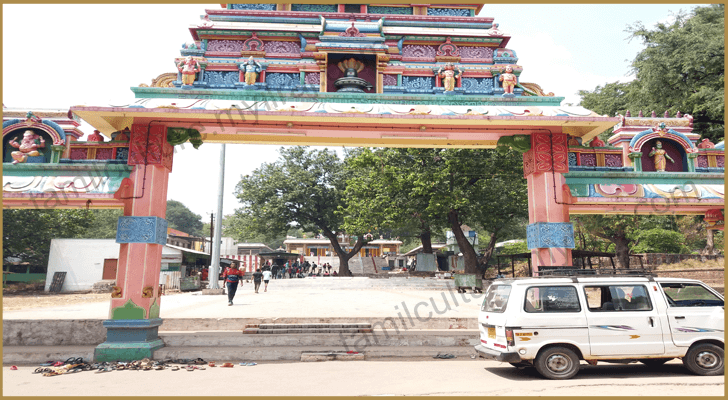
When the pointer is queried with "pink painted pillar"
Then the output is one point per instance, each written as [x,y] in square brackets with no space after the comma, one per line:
[550,234]
[141,233]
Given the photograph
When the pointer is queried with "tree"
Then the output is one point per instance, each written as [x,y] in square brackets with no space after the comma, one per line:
[658,240]
[180,217]
[437,188]
[27,234]
[680,69]
[301,189]
[104,225]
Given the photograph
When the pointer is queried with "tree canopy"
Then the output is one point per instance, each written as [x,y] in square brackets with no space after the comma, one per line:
[302,189]
[181,218]
[681,69]
[27,234]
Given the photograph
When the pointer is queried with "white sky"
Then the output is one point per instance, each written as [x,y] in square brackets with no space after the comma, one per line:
[58,56]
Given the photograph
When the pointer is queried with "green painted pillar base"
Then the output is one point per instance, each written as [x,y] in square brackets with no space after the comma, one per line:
[129,340]
[109,352]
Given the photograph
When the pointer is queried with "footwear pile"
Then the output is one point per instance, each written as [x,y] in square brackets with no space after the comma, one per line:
[53,368]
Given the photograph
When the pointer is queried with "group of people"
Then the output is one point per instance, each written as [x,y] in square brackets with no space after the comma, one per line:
[233,276]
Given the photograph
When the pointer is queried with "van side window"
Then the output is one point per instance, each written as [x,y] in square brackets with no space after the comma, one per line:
[551,299]
[689,295]
[617,298]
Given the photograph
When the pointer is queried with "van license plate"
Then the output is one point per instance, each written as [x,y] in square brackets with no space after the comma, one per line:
[491,333]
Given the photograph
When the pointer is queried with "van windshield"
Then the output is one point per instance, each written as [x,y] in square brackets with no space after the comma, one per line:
[496,298]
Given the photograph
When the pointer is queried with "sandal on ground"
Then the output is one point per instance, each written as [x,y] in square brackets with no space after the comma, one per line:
[199,361]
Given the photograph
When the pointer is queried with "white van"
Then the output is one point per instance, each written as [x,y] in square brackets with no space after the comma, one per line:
[552,323]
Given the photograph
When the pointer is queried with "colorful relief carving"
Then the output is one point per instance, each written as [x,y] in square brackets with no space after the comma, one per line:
[146,146]
[533,89]
[189,67]
[226,46]
[706,144]
[613,160]
[419,51]
[544,235]
[251,68]
[449,76]
[540,157]
[596,142]
[282,80]
[714,219]
[312,78]
[509,80]
[253,44]
[573,141]
[449,12]
[620,190]
[660,157]
[116,292]
[95,137]
[448,49]
[314,7]
[147,292]
[702,161]
[262,7]
[389,80]
[141,230]
[283,48]
[417,83]
[478,85]
[28,147]
[221,78]
[650,191]
[572,159]
[352,31]
[476,52]
[588,160]
[389,10]
[128,311]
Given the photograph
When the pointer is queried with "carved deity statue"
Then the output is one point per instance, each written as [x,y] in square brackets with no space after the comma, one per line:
[509,80]
[189,67]
[449,76]
[252,69]
[658,156]
[27,148]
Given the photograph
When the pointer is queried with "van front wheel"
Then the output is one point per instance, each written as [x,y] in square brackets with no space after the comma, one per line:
[704,359]
[557,363]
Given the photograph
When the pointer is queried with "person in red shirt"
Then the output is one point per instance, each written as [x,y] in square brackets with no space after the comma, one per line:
[204,274]
[233,277]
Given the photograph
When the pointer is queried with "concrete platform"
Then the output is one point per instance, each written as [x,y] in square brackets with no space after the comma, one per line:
[415,317]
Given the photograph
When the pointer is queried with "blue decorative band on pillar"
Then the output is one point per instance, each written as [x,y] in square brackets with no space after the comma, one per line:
[129,340]
[543,235]
[141,230]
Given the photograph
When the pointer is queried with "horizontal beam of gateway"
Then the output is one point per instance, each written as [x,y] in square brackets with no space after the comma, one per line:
[344,129]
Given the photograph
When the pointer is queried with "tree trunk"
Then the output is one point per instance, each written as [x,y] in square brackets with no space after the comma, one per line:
[426,239]
[621,249]
[344,257]
[469,256]
[709,245]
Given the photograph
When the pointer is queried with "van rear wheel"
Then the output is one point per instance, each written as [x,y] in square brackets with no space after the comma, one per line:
[704,359]
[557,363]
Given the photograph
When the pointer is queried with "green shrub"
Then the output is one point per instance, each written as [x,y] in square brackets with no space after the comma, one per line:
[660,240]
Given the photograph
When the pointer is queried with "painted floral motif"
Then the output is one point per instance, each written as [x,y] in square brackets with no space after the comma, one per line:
[588,160]
[281,79]
[389,80]
[720,161]
[389,10]
[282,48]
[702,161]
[479,85]
[78,154]
[448,49]
[572,159]
[418,51]
[230,46]
[476,52]
[612,160]
[417,82]
[122,153]
[104,154]
[312,78]
[449,12]
[222,78]
[314,7]
[266,7]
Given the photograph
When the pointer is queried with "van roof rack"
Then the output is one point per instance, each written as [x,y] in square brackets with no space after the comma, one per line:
[551,272]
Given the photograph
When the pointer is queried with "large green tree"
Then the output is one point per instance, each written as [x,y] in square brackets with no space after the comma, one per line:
[436,188]
[27,234]
[104,225]
[302,189]
[181,218]
[681,69]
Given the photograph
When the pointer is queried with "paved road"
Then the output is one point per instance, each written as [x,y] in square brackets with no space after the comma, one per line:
[375,378]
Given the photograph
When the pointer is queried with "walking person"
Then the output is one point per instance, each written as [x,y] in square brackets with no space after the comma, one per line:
[257,277]
[266,279]
[232,277]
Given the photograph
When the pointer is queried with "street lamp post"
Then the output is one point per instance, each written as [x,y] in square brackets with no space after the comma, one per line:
[215,262]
